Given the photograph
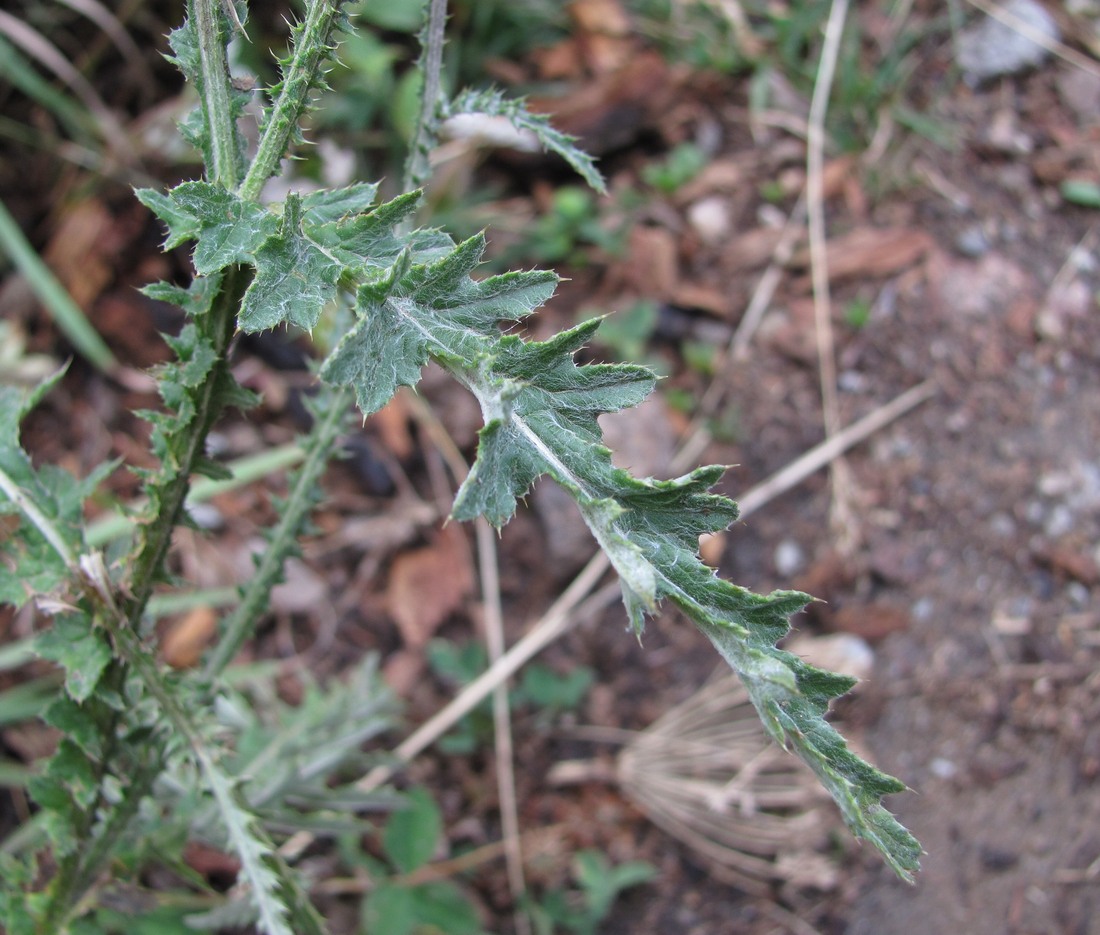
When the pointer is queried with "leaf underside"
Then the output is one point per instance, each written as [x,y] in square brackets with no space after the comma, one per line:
[415,300]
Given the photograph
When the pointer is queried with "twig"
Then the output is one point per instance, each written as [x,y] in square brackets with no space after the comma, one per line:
[495,644]
[1074,262]
[828,450]
[842,519]
[502,723]
[565,611]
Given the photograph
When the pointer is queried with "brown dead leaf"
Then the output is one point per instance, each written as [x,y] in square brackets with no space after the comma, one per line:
[723,176]
[712,546]
[751,250]
[1068,563]
[187,637]
[403,670]
[603,34]
[392,425]
[652,264]
[563,60]
[79,251]
[31,741]
[611,110]
[793,335]
[121,316]
[870,253]
[716,302]
[209,861]
[872,621]
[427,585]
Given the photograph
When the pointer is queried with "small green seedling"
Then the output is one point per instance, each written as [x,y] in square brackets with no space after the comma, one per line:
[599,884]
[409,841]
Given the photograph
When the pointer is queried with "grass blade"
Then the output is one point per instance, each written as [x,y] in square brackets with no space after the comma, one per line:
[64,311]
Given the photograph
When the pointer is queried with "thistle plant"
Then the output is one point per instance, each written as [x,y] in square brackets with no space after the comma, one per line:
[135,735]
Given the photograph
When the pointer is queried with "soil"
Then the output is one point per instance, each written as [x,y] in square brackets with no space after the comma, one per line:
[960,542]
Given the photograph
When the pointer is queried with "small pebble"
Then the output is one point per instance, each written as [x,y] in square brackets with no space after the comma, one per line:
[923,608]
[789,558]
[710,219]
[991,48]
[1059,522]
[206,515]
[1079,595]
[943,768]
[973,242]
[851,381]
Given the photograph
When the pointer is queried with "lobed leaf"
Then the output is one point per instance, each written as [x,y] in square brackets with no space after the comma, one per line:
[294,279]
[30,563]
[493,103]
[540,411]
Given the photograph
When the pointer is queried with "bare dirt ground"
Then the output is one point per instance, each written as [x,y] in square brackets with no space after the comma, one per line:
[967,559]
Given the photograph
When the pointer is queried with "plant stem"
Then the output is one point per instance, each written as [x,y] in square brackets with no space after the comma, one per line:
[312,46]
[214,91]
[431,67]
[318,448]
[220,324]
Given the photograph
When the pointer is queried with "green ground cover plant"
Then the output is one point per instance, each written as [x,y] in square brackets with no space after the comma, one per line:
[149,757]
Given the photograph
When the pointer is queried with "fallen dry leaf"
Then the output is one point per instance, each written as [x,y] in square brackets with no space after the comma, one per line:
[603,33]
[79,252]
[427,585]
[611,110]
[187,637]
[750,250]
[652,264]
[870,252]
[392,424]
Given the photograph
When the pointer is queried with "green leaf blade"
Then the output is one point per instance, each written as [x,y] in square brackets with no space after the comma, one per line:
[412,832]
[294,280]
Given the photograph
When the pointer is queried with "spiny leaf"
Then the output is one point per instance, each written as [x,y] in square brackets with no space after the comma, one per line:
[80,649]
[29,562]
[195,300]
[228,230]
[368,240]
[294,278]
[541,412]
[332,205]
[493,103]
[391,342]
[256,853]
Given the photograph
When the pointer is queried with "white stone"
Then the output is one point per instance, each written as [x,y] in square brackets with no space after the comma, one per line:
[991,47]
[710,219]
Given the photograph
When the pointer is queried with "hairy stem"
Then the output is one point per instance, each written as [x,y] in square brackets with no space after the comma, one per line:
[215,94]
[312,47]
[431,67]
[257,594]
[218,326]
